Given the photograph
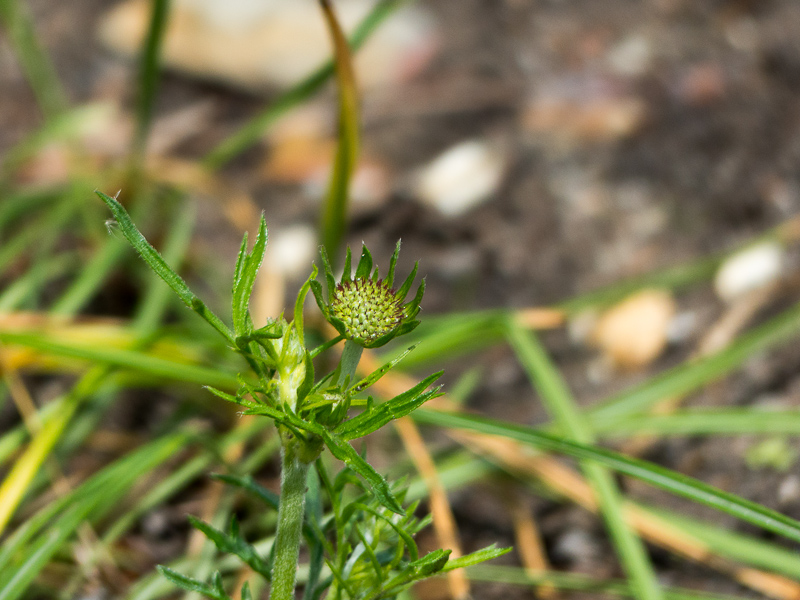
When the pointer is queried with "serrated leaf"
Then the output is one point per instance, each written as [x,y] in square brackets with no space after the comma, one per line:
[347,454]
[247,269]
[191,585]
[247,483]
[408,541]
[154,260]
[380,372]
[216,582]
[479,556]
[234,545]
[399,406]
[428,565]
[230,398]
[431,563]
[240,259]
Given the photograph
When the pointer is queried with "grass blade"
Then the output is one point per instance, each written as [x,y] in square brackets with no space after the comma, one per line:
[705,421]
[559,402]
[334,213]
[35,63]
[661,477]
[135,360]
[148,77]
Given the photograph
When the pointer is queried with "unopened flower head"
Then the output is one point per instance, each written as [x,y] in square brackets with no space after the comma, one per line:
[367,309]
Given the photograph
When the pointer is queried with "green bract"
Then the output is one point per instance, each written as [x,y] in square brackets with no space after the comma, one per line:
[367,309]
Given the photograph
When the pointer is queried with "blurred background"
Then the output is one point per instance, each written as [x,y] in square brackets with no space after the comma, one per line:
[527,152]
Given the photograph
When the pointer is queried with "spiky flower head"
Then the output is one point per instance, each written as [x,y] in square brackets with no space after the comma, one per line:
[365,308]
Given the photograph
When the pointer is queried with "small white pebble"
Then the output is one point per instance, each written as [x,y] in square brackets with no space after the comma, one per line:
[291,250]
[789,490]
[631,57]
[750,269]
[682,327]
[462,177]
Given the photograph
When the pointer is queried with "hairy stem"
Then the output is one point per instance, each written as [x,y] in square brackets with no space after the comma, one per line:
[290,523]
[351,355]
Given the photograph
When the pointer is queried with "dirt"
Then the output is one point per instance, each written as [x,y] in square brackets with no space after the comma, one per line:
[712,161]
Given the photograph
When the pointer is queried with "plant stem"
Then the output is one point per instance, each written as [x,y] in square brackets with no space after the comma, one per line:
[290,523]
[351,355]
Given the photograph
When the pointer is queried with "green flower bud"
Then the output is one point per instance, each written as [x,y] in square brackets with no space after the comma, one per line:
[365,308]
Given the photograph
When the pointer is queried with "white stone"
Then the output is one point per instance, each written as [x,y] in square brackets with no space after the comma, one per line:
[750,269]
[255,44]
[631,57]
[462,177]
[291,250]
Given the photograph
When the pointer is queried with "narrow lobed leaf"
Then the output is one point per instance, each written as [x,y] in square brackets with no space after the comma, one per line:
[380,372]
[347,454]
[154,260]
[479,556]
[191,585]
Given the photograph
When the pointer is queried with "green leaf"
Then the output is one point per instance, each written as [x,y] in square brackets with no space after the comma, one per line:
[192,585]
[380,372]
[403,291]
[148,76]
[399,406]
[347,271]
[247,483]
[412,310]
[488,553]
[347,454]
[300,303]
[35,63]
[246,595]
[233,544]
[231,398]
[247,266]
[431,563]
[151,256]
[653,474]
[408,541]
[428,565]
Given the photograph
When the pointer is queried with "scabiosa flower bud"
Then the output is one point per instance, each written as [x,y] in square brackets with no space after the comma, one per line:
[367,309]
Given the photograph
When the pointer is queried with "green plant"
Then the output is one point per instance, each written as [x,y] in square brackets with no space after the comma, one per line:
[367,541]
